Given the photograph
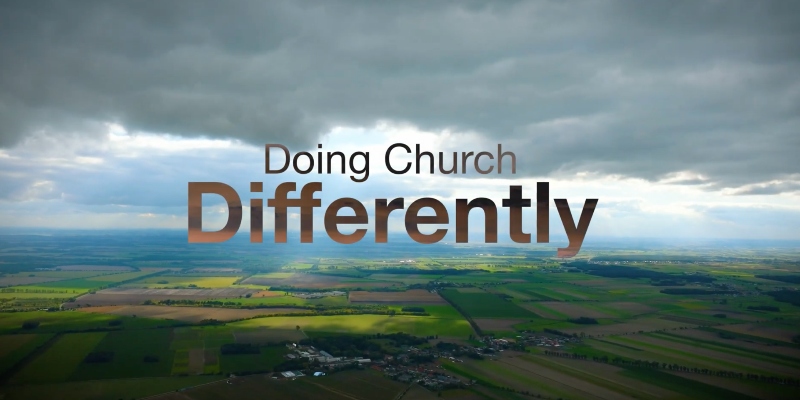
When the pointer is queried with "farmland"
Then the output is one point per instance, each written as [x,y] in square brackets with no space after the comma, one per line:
[315,281]
[105,389]
[123,296]
[14,348]
[60,360]
[206,282]
[599,327]
[405,297]
[188,314]
[345,386]
[365,324]
[129,349]
[486,305]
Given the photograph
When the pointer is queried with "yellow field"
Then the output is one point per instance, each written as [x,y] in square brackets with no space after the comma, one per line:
[419,326]
[184,281]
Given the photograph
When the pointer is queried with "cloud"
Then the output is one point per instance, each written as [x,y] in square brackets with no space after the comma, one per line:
[769,188]
[616,88]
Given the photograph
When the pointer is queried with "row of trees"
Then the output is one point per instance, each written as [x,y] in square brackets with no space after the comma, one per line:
[472,323]
[677,367]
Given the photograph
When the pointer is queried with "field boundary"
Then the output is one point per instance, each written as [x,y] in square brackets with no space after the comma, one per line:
[19,365]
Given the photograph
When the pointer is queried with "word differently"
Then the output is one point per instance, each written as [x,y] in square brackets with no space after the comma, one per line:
[306,203]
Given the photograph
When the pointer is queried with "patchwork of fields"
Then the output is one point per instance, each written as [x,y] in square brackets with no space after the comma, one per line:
[406,297]
[626,331]
[348,385]
[316,281]
[129,296]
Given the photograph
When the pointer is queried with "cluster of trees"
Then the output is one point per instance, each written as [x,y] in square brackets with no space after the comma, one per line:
[472,323]
[668,282]
[649,257]
[726,335]
[693,291]
[583,321]
[763,308]
[363,345]
[30,324]
[457,351]
[786,296]
[239,348]
[505,297]
[781,278]
[45,291]
[677,367]
[619,271]
[189,302]
[414,271]
[99,357]
[559,333]
[289,288]
[312,310]
[398,288]
[347,346]
[484,382]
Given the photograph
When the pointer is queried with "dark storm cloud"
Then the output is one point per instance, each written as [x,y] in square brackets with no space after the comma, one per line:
[631,88]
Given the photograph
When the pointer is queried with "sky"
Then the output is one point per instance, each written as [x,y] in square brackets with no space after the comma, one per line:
[682,118]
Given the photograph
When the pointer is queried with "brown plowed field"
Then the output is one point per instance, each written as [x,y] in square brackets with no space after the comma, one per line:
[584,389]
[744,387]
[196,361]
[768,332]
[724,358]
[189,314]
[711,336]
[611,373]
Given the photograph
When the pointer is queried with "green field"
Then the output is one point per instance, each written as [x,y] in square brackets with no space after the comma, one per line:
[700,324]
[13,348]
[687,387]
[265,361]
[129,349]
[486,305]
[106,389]
[59,361]
[73,321]
[61,275]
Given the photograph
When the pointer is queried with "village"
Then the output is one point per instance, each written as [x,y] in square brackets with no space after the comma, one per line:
[417,364]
